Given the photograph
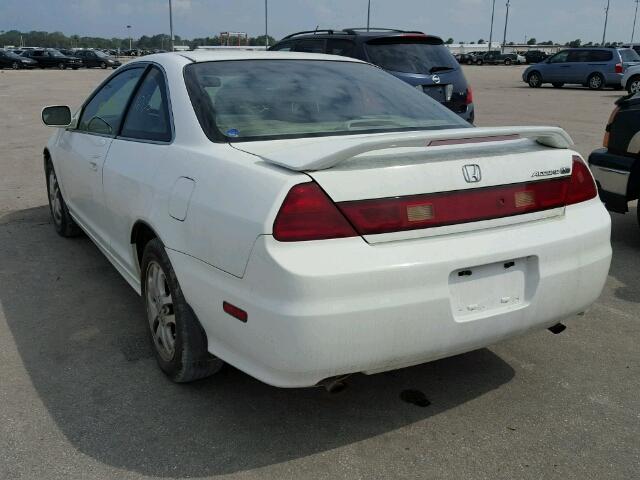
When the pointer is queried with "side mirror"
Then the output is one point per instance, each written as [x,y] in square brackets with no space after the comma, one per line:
[56,116]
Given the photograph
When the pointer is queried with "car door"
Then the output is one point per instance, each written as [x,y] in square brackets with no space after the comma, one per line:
[578,62]
[557,70]
[136,156]
[84,149]
[40,57]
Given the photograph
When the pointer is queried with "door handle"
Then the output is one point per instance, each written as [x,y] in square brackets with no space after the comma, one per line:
[93,166]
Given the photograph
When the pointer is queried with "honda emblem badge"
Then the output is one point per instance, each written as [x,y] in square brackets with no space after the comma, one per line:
[472,173]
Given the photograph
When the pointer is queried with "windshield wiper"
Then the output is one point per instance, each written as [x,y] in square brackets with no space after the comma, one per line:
[439,69]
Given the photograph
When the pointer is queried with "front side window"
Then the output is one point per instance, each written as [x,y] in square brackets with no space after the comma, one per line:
[283,47]
[270,99]
[560,57]
[104,111]
[411,55]
[148,115]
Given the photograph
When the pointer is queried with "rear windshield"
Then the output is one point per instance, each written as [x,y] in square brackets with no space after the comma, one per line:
[271,99]
[629,55]
[410,55]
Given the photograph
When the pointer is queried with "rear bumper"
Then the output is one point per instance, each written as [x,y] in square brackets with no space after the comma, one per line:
[320,309]
[612,173]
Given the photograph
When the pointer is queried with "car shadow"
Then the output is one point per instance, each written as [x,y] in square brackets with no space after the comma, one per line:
[625,264]
[81,335]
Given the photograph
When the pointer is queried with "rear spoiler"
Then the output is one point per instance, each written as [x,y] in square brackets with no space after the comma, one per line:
[319,154]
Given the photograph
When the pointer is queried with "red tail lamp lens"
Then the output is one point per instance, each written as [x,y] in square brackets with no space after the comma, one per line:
[307,213]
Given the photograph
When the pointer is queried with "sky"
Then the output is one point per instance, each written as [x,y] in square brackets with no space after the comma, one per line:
[463,20]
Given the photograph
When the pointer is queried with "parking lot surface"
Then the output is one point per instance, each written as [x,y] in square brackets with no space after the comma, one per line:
[81,396]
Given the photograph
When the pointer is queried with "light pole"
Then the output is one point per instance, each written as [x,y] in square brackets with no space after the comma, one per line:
[368,14]
[266,25]
[506,22]
[633,32]
[171,25]
[606,19]
[129,32]
[493,12]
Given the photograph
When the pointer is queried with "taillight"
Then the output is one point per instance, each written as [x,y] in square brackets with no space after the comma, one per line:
[582,186]
[414,212]
[619,68]
[307,213]
[469,99]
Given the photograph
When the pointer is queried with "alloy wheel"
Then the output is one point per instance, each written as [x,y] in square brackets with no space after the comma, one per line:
[634,87]
[160,312]
[55,200]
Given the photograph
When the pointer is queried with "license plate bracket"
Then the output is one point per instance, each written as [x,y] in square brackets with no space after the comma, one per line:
[486,290]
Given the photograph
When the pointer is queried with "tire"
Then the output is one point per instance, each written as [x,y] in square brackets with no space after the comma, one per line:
[558,84]
[15,66]
[507,61]
[60,216]
[534,80]
[61,66]
[178,340]
[595,82]
[469,62]
[633,85]
[103,65]
[479,62]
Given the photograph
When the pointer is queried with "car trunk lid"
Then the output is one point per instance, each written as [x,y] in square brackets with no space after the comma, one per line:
[423,171]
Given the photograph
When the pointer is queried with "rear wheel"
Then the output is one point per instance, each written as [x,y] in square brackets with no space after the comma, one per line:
[558,84]
[633,85]
[595,82]
[179,342]
[61,66]
[103,65]
[534,80]
[15,65]
[479,62]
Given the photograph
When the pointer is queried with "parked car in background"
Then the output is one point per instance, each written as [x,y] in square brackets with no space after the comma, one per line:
[535,56]
[11,60]
[634,46]
[51,58]
[467,58]
[423,61]
[631,80]
[616,166]
[595,68]
[475,235]
[498,58]
[97,59]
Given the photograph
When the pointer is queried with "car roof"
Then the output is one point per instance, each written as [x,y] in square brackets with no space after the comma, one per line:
[363,33]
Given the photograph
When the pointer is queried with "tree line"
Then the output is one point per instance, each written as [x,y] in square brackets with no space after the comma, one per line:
[145,42]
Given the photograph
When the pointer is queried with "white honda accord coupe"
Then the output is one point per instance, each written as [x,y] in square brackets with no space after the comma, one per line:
[304,217]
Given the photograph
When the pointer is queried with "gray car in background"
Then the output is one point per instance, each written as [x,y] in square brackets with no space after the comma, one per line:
[595,68]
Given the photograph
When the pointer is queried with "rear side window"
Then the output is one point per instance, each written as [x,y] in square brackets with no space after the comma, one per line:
[410,55]
[148,115]
[340,47]
[629,55]
[315,45]
[104,111]
[600,56]
[576,56]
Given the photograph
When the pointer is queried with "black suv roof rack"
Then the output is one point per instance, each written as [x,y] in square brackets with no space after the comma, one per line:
[305,32]
[350,31]
[355,31]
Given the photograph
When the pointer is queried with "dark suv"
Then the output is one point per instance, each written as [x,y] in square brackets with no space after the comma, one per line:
[422,61]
